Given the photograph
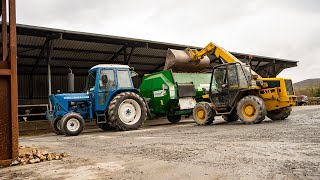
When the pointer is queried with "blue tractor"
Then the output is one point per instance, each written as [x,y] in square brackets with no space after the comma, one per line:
[109,97]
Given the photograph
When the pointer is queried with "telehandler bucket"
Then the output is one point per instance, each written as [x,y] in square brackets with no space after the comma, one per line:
[180,61]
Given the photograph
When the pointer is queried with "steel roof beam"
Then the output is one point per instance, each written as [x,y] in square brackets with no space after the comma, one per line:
[21,57]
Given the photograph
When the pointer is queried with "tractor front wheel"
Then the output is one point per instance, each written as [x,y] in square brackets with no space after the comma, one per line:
[127,111]
[72,124]
[56,126]
[251,110]
[279,114]
[203,114]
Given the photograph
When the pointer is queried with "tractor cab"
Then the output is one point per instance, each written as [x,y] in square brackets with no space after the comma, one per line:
[104,80]
[227,82]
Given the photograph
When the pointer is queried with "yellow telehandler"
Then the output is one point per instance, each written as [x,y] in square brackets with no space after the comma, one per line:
[235,90]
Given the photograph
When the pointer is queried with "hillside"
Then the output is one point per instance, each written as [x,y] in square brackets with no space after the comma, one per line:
[308,83]
[309,87]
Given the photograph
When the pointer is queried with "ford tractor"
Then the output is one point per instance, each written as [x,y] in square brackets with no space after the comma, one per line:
[109,97]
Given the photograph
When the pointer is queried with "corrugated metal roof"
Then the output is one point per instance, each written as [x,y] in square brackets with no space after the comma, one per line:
[80,51]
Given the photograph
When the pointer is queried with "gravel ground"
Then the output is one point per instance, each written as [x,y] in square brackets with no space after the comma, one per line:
[287,149]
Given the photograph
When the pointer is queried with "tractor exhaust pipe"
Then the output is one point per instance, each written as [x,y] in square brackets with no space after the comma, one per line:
[180,61]
[70,82]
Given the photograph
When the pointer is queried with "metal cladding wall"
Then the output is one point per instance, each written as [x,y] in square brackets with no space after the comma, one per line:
[34,89]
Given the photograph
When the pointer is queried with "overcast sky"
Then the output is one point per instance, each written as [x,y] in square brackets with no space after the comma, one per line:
[288,29]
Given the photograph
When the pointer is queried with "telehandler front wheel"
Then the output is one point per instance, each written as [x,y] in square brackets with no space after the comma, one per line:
[279,114]
[56,126]
[72,124]
[127,111]
[251,110]
[203,114]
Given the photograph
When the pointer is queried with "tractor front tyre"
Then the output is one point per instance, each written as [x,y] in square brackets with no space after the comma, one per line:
[231,117]
[56,126]
[279,114]
[72,124]
[251,110]
[174,119]
[127,111]
[203,114]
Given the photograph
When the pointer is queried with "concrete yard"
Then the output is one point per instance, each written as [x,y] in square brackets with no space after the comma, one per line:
[288,149]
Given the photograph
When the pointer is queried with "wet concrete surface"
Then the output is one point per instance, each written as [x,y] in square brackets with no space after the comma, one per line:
[287,149]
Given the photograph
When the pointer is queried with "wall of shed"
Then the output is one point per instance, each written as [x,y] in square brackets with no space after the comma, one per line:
[39,87]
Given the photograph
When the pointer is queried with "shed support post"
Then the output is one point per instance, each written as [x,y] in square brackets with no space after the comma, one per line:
[49,48]
[9,129]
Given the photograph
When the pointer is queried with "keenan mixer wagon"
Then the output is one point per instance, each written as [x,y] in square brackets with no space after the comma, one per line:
[173,94]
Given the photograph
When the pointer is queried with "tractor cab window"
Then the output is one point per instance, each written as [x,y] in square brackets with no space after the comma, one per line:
[106,81]
[124,79]
[91,81]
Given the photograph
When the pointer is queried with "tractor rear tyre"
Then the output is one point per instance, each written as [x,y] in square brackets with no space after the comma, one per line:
[231,117]
[72,124]
[279,114]
[251,110]
[174,119]
[203,114]
[107,126]
[56,126]
[127,111]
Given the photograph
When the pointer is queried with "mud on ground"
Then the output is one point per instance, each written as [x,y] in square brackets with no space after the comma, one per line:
[288,149]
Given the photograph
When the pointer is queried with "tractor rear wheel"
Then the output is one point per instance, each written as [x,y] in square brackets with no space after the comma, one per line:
[127,111]
[203,114]
[279,114]
[72,124]
[174,119]
[251,110]
[56,126]
[231,117]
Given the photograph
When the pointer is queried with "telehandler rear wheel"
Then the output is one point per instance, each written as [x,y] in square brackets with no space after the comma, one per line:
[56,126]
[72,124]
[127,111]
[203,114]
[231,117]
[279,114]
[251,110]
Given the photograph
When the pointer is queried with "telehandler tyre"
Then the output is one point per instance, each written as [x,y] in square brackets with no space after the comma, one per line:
[174,119]
[72,124]
[56,126]
[203,114]
[251,110]
[279,114]
[127,111]
[231,117]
